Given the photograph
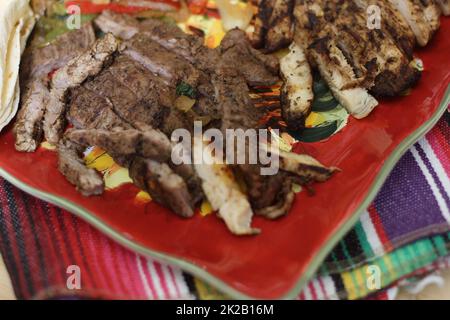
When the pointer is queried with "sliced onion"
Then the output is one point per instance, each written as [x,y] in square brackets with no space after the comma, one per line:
[235,14]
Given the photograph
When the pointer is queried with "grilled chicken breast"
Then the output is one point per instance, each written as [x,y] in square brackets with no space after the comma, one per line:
[297,90]
[414,13]
[361,47]
[341,79]
[273,25]
[392,23]
[317,35]
[445,6]
[432,13]
[223,193]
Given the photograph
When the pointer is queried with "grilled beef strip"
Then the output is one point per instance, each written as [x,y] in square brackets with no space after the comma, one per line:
[71,75]
[257,69]
[165,186]
[147,154]
[28,125]
[154,57]
[99,115]
[137,101]
[150,143]
[169,36]
[37,63]
[121,25]
[87,181]
[238,112]
[174,68]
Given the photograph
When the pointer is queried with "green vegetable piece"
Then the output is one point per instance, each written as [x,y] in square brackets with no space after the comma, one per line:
[317,133]
[320,87]
[320,105]
[185,89]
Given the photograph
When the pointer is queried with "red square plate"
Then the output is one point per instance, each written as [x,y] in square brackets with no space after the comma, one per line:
[277,263]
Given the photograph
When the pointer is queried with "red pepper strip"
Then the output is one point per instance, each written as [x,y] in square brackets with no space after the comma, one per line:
[87,7]
[51,73]
[197,6]
[213,13]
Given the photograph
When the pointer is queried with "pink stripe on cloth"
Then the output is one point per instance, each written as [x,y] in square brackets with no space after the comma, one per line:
[172,276]
[148,278]
[162,280]
[441,148]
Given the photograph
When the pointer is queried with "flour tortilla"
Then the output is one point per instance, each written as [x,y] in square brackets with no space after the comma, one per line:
[16,23]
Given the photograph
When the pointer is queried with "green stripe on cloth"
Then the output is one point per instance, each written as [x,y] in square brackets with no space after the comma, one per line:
[367,249]
[394,266]
[353,284]
[439,243]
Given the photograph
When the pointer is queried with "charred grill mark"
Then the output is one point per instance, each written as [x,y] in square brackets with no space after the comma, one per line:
[273,24]
[313,21]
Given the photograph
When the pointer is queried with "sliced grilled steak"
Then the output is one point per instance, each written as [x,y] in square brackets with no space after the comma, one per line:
[169,36]
[133,97]
[238,112]
[140,81]
[134,106]
[148,143]
[161,61]
[164,185]
[70,163]
[151,143]
[121,25]
[257,68]
[88,110]
[28,126]
[37,63]
[71,75]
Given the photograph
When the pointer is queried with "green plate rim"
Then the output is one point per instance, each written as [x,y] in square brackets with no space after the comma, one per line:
[196,270]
